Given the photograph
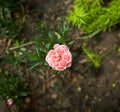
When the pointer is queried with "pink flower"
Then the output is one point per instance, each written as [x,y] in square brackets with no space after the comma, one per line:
[59,58]
[9,102]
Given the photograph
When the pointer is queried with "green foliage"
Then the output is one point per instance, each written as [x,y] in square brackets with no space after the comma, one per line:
[12,87]
[14,59]
[93,59]
[57,36]
[18,43]
[8,25]
[45,42]
[92,15]
[10,19]
[118,49]
[12,5]
[39,47]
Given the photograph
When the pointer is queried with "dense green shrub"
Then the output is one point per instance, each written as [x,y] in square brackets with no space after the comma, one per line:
[11,18]
[12,5]
[92,15]
[12,87]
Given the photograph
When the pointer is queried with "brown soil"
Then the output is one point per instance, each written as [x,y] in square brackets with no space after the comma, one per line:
[75,90]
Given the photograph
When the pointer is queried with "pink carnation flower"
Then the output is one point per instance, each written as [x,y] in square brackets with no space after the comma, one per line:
[59,58]
[9,102]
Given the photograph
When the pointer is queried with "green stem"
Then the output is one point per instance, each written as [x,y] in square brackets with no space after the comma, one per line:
[91,35]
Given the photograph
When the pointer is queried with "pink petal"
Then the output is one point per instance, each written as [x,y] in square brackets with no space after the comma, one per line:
[67,57]
[69,64]
[65,47]
[56,45]
[61,68]
[52,52]
[59,50]
[63,63]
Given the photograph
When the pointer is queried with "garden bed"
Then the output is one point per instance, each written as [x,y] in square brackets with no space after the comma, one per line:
[75,90]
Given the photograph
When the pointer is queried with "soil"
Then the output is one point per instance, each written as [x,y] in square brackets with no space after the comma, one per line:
[74,90]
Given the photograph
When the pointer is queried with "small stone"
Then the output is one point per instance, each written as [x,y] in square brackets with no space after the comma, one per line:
[86,97]
[93,101]
[118,66]
[95,98]
[99,100]
[107,94]
[54,96]
[27,100]
[53,17]
[78,89]
[98,86]
[112,62]
[58,18]
[83,61]
[45,15]
[118,34]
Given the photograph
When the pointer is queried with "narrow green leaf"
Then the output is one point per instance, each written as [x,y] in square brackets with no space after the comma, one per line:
[32,67]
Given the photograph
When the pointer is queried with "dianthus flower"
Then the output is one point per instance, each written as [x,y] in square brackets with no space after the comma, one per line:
[9,102]
[59,58]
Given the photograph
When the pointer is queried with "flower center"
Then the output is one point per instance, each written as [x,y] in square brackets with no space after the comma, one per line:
[58,58]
